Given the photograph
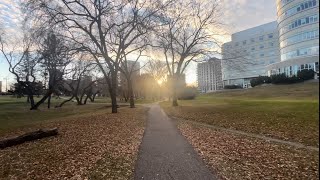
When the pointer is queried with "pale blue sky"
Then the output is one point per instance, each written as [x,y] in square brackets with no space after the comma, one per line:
[237,15]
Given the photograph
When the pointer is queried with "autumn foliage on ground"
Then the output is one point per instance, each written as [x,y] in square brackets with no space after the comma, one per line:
[97,145]
[240,157]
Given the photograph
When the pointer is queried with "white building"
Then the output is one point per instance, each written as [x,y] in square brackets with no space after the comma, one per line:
[248,54]
[298,35]
[209,75]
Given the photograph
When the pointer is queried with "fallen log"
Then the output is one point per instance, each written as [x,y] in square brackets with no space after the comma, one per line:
[28,137]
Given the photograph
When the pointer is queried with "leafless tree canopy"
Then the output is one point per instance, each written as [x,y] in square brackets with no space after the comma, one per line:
[187,34]
[105,29]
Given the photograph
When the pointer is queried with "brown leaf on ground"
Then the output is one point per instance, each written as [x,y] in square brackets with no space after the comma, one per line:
[240,157]
[85,144]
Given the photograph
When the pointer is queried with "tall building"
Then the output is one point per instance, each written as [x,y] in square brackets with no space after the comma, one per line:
[209,75]
[248,53]
[298,35]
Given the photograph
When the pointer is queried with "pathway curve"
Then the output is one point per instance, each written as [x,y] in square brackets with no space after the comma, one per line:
[165,154]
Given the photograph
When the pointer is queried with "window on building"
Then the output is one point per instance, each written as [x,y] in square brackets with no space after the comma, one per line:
[270,36]
[271,44]
[253,48]
[237,44]
[252,40]
[261,46]
[261,38]
[244,42]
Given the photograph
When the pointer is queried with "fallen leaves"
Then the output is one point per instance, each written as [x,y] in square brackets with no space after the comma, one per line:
[95,146]
[240,157]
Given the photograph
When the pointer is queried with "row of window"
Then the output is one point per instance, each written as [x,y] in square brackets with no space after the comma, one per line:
[300,22]
[293,70]
[309,51]
[284,2]
[252,40]
[300,37]
[305,5]
[263,54]
[261,46]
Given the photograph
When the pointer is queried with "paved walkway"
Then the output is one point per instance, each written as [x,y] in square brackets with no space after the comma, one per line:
[165,154]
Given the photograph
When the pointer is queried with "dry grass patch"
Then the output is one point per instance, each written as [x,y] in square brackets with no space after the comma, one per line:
[85,144]
[239,157]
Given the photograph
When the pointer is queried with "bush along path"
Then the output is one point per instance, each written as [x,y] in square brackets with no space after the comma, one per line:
[166,154]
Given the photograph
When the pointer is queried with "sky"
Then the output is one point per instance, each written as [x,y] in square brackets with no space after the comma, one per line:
[237,15]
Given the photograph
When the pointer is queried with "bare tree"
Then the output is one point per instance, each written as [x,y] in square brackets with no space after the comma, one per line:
[22,63]
[80,81]
[55,56]
[187,35]
[128,70]
[157,69]
[103,28]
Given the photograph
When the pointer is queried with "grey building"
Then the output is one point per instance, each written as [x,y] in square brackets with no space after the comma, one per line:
[248,53]
[209,75]
[298,35]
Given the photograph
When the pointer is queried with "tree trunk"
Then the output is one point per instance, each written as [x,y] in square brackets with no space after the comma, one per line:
[113,92]
[49,101]
[60,105]
[94,96]
[131,97]
[81,98]
[31,100]
[35,107]
[85,100]
[174,93]
[78,100]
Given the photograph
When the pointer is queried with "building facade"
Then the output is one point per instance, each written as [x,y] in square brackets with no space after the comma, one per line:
[209,76]
[298,25]
[248,53]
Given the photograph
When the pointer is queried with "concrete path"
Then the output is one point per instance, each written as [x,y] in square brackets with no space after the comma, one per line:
[165,154]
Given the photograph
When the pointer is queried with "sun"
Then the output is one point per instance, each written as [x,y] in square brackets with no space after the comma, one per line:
[160,82]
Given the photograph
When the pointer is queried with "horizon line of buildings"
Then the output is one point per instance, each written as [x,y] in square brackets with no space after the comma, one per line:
[287,45]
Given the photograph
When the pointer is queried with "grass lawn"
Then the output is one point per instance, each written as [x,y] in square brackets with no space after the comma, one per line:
[92,143]
[288,112]
[14,112]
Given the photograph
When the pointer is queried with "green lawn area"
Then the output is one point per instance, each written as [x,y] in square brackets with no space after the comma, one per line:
[288,112]
[14,112]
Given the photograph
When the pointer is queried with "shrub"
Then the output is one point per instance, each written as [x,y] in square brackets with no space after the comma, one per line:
[232,87]
[306,74]
[187,93]
[283,79]
[260,80]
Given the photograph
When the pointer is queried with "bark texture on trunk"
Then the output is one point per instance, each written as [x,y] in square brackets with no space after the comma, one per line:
[44,98]
[113,92]
[131,95]
[60,105]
